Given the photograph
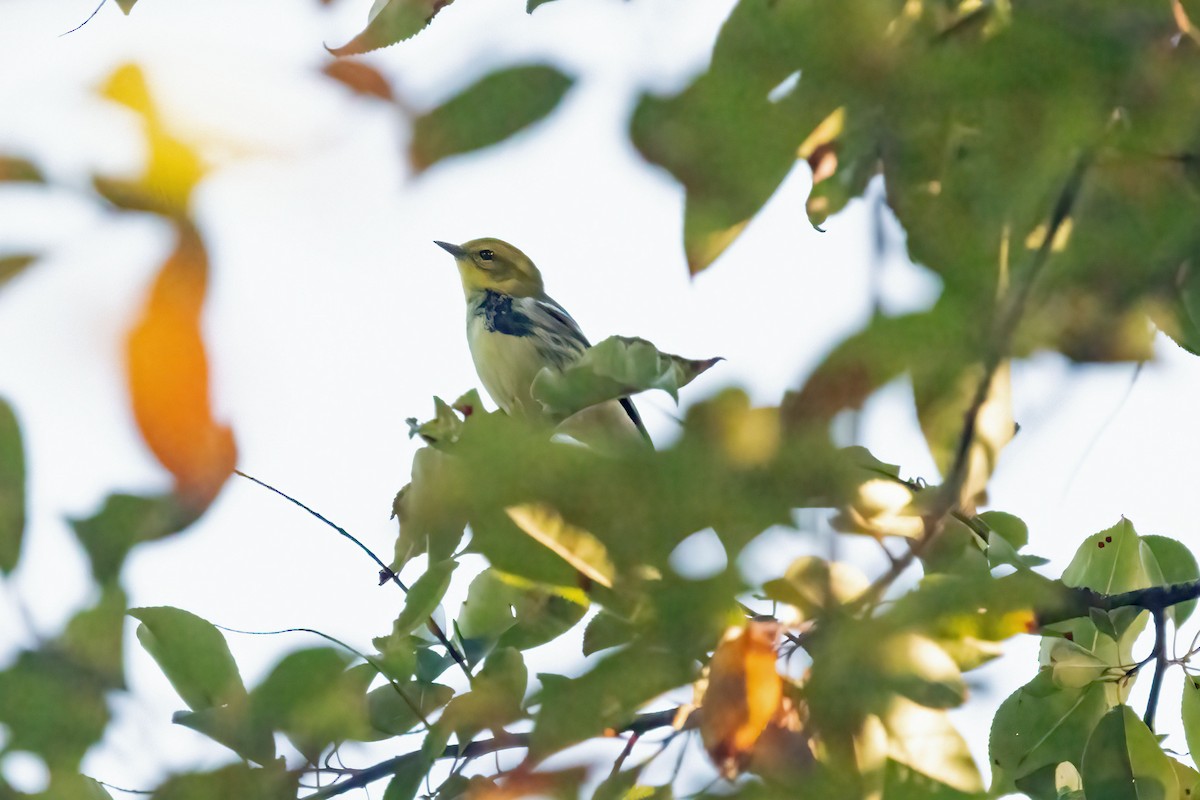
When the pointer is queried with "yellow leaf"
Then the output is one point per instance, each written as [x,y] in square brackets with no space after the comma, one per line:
[172,167]
[576,546]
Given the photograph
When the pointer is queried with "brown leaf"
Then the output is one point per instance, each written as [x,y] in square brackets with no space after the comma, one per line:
[168,378]
[360,77]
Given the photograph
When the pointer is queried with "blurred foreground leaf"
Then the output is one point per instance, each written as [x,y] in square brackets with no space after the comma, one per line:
[237,780]
[168,378]
[173,168]
[122,522]
[12,489]
[489,111]
[13,265]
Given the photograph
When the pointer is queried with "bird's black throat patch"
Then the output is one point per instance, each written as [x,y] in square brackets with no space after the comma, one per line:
[500,316]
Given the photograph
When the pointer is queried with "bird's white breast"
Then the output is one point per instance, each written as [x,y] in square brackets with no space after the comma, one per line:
[506,366]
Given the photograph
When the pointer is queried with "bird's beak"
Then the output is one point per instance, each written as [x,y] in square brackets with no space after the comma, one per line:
[452,249]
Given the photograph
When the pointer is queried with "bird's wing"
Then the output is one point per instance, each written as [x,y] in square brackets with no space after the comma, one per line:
[557,322]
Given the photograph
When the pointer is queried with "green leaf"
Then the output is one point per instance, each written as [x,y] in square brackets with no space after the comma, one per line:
[424,597]
[392,22]
[530,5]
[1109,562]
[1012,528]
[431,519]
[514,612]
[14,264]
[1177,565]
[314,699]
[1190,713]
[52,706]
[193,655]
[902,782]
[406,780]
[12,488]
[496,107]
[1041,725]
[1123,761]
[607,696]
[126,5]
[94,637]
[617,367]
[495,699]
[124,521]
[232,726]
[273,782]
[15,169]
[391,713]
[606,630]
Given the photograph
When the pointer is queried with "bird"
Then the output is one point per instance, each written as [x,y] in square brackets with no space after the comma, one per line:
[514,330]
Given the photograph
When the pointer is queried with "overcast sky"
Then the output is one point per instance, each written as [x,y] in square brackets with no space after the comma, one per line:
[332,317]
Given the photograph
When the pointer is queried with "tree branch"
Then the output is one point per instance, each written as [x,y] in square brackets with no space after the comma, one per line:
[640,725]
[1160,665]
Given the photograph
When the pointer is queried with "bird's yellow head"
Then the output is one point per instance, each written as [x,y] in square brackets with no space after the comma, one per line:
[493,264]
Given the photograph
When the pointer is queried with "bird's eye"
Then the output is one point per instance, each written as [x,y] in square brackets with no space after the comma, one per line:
[486,255]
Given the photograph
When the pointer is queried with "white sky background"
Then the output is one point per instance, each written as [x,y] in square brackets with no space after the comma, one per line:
[332,317]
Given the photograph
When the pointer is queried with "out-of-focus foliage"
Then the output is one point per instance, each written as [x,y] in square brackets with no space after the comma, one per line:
[486,112]
[1040,157]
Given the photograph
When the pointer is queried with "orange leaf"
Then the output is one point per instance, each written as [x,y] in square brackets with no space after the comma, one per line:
[744,694]
[168,378]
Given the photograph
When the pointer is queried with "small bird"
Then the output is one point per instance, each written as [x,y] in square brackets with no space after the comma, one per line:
[514,329]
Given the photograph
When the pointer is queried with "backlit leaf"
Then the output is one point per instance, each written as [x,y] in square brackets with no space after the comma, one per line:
[489,111]
[743,693]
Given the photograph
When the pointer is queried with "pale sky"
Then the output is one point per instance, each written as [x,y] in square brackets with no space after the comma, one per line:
[332,317]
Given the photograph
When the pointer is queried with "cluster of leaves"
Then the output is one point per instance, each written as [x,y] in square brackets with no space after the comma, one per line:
[1040,157]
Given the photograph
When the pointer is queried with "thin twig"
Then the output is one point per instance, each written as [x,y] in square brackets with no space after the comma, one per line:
[412,706]
[1160,665]
[77,27]
[1011,309]
[384,569]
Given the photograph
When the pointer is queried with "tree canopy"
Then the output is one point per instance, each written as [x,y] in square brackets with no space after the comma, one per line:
[1041,160]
